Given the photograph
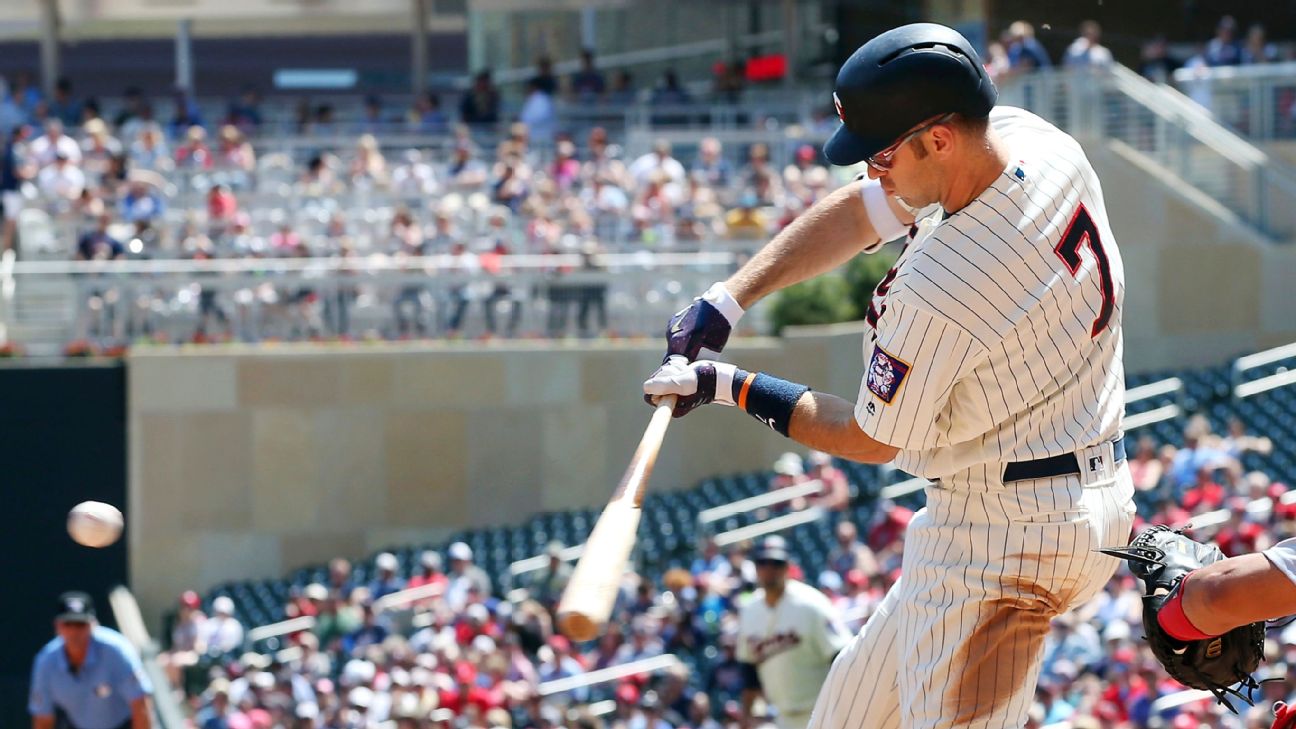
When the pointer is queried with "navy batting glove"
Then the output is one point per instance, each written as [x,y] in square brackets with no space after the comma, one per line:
[692,384]
[704,324]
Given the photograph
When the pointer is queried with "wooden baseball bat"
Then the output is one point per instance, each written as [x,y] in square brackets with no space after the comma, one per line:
[591,593]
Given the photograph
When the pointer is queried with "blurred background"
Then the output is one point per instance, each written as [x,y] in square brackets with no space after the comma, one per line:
[346,305]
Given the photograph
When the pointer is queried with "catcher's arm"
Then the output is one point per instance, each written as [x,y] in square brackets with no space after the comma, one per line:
[1236,591]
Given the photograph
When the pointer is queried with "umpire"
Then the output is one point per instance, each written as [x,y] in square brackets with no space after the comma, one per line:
[89,676]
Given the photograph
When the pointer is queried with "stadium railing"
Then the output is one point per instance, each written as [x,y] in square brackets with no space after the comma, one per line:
[1255,100]
[1282,377]
[1165,127]
[1172,386]
[359,295]
[655,664]
[760,501]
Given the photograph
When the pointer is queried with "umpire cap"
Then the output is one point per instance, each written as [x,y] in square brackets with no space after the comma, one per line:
[900,79]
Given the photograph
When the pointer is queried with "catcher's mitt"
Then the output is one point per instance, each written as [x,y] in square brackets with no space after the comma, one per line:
[1161,557]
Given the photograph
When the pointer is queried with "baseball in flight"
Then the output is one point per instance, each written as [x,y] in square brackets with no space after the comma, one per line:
[94,524]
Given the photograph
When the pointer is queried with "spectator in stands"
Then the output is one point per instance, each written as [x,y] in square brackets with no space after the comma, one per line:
[320,179]
[660,159]
[413,177]
[1145,468]
[834,494]
[622,89]
[481,104]
[63,106]
[545,79]
[426,117]
[98,148]
[1257,48]
[548,583]
[465,172]
[194,153]
[44,149]
[185,114]
[670,92]
[61,182]
[1198,452]
[149,150]
[429,571]
[728,82]
[1238,443]
[746,221]
[234,153]
[587,85]
[464,576]
[244,112]
[849,553]
[1025,53]
[368,166]
[98,244]
[1072,642]
[339,578]
[1087,51]
[386,581]
[222,632]
[1224,49]
[711,165]
[538,112]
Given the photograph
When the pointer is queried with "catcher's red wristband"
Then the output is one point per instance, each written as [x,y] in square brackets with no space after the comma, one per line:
[1174,621]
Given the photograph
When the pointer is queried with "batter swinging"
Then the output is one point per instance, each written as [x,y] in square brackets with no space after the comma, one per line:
[992,367]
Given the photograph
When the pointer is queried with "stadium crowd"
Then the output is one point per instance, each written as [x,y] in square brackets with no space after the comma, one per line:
[466,654]
[133,187]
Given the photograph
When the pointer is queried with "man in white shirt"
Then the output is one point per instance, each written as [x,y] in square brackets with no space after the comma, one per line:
[788,635]
[44,149]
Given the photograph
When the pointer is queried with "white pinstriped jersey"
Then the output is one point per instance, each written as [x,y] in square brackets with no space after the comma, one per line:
[997,335]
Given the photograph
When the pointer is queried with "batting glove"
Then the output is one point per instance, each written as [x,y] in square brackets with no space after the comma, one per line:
[703,326]
[693,384]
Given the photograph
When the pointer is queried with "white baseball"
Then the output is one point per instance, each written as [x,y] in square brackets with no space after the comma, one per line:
[94,523]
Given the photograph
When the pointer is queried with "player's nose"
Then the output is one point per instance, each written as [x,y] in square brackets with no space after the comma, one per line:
[874,173]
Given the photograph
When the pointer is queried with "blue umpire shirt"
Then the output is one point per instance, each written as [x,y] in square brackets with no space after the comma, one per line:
[99,695]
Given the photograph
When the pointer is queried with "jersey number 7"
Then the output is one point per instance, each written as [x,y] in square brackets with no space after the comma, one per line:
[1080,231]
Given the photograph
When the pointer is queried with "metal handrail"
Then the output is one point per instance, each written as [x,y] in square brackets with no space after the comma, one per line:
[1259,359]
[366,264]
[283,627]
[769,526]
[752,503]
[532,564]
[604,675]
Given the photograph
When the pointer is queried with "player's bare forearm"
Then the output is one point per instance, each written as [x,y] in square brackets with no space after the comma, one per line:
[822,238]
[827,423]
[1222,596]
[42,722]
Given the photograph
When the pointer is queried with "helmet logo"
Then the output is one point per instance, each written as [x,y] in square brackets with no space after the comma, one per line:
[840,113]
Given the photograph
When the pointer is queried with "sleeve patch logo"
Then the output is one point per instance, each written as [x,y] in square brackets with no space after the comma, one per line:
[886,373]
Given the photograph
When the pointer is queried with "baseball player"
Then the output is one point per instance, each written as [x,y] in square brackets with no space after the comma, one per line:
[992,366]
[788,635]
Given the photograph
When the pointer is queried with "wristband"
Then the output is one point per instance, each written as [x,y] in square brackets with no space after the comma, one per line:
[767,398]
[1174,621]
[724,302]
[884,220]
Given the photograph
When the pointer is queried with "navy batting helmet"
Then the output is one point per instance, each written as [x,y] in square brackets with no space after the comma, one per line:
[900,79]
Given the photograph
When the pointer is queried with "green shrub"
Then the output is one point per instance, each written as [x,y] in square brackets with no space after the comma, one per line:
[834,297]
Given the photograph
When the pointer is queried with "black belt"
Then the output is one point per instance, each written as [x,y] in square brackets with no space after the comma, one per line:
[1053,466]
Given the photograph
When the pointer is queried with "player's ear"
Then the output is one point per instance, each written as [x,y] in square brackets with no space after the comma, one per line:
[942,138]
